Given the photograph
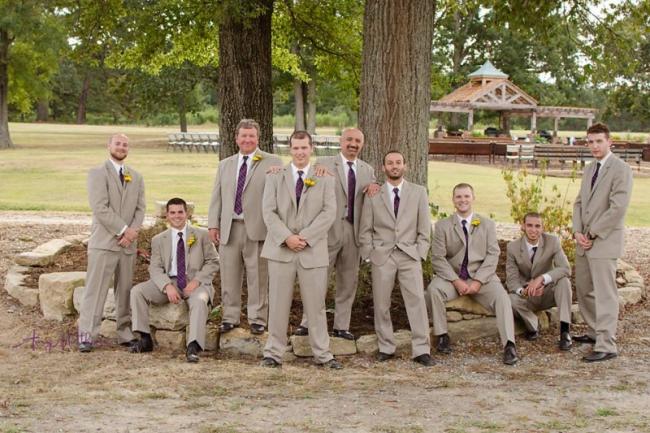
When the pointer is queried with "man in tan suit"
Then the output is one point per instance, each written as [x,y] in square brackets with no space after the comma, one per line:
[537,276]
[354,177]
[235,224]
[465,254]
[598,226]
[298,210]
[116,196]
[183,264]
[395,236]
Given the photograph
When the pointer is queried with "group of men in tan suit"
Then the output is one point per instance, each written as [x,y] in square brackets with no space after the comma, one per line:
[273,224]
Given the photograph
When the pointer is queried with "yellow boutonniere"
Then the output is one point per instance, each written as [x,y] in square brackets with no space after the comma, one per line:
[257,157]
[127,176]
[475,223]
[309,182]
[191,240]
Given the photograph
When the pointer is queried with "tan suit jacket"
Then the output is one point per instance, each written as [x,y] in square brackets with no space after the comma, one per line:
[114,206]
[448,249]
[549,259]
[201,260]
[312,220]
[222,202]
[601,211]
[381,231]
[365,175]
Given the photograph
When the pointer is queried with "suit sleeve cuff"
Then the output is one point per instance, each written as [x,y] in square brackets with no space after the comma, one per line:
[122,231]
[547,279]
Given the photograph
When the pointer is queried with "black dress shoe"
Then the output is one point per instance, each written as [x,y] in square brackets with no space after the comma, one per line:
[128,343]
[444,344]
[531,335]
[565,342]
[425,359]
[343,334]
[85,347]
[270,363]
[227,327]
[141,346]
[192,353]
[301,330]
[382,357]
[510,356]
[257,329]
[333,364]
[599,356]
[584,339]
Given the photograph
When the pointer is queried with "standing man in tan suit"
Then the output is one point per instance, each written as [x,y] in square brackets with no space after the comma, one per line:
[353,178]
[116,196]
[235,223]
[395,236]
[298,211]
[598,226]
[183,264]
[537,276]
[465,254]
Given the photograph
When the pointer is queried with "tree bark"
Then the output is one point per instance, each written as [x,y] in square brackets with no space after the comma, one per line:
[182,112]
[5,138]
[245,75]
[395,81]
[311,105]
[83,100]
[299,98]
[42,110]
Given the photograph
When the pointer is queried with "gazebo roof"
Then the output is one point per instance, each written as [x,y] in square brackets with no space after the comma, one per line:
[488,70]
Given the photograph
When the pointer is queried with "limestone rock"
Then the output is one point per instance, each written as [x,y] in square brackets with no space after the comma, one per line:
[629,295]
[465,304]
[338,346]
[576,316]
[544,322]
[77,239]
[109,306]
[13,285]
[367,344]
[44,254]
[241,342]
[55,292]
[108,329]
[171,317]
[471,316]
[171,340]
[211,337]
[467,330]
[454,316]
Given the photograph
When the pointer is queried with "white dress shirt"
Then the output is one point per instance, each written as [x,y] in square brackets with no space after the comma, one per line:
[391,193]
[249,164]
[173,269]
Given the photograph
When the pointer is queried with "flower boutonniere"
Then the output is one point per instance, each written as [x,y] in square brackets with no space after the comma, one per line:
[127,176]
[257,157]
[309,182]
[191,240]
[475,223]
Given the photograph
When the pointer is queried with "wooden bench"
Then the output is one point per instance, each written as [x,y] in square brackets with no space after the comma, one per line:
[562,154]
[461,148]
[520,153]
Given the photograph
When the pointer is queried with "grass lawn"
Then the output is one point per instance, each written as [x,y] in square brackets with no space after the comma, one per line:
[47,171]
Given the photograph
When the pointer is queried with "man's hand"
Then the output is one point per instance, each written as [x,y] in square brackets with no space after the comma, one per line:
[274,169]
[295,243]
[172,294]
[130,234]
[123,242]
[473,287]
[535,287]
[214,235]
[461,287]
[320,171]
[583,241]
[372,189]
[191,286]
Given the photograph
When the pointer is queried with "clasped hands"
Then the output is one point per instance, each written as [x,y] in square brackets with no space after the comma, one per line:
[467,288]
[583,240]
[534,287]
[128,237]
[174,296]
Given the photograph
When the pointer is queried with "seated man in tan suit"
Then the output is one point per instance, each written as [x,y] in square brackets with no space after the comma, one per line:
[465,254]
[537,276]
[183,264]
[298,211]
[235,224]
[395,236]
[599,231]
[116,196]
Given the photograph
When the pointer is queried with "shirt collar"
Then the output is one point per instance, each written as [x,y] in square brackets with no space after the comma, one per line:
[294,171]
[529,245]
[175,233]
[345,161]
[391,187]
[468,219]
[117,166]
[241,156]
[605,158]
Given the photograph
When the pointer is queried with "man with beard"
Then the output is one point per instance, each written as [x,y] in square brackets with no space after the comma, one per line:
[353,178]
[116,196]
[394,237]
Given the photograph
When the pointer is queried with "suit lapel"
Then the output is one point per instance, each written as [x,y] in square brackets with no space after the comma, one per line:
[230,172]
[405,195]
[166,249]
[338,164]
[602,173]
[457,228]
[112,174]
[387,198]
[254,165]
[538,253]
[287,177]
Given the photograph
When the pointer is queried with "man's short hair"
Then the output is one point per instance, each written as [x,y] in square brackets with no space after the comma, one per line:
[392,151]
[176,200]
[598,128]
[119,134]
[462,185]
[248,124]
[531,215]
[300,135]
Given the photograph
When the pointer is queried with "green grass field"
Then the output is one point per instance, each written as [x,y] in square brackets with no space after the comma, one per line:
[47,172]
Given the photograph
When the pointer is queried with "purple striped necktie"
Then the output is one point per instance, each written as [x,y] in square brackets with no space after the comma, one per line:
[396,201]
[300,184]
[464,273]
[352,188]
[241,181]
[181,278]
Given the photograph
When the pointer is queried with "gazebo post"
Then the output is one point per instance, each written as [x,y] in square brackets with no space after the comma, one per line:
[470,121]
[533,123]
[556,125]
[589,122]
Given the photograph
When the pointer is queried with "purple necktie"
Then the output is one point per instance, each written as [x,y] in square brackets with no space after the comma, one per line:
[533,256]
[352,188]
[121,176]
[464,273]
[595,176]
[241,181]
[396,201]
[299,186]
[180,262]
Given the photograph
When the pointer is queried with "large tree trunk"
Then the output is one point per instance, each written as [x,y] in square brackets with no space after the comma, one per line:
[5,138]
[396,81]
[245,75]
[299,98]
[42,110]
[182,112]
[311,105]
[83,100]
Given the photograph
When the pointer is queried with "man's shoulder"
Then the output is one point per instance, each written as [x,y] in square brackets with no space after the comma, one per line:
[160,235]
[445,222]
[269,158]
[514,245]
[483,220]
[327,160]
[98,169]
[550,239]
[419,189]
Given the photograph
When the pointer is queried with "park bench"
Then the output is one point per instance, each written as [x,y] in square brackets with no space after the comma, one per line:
[520,153]
[461,148]
[193,141]
[562,154]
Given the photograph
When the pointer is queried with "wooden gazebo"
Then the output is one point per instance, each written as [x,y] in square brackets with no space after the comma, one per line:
[490,89]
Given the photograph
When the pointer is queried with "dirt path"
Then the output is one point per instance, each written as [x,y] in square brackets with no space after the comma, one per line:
[110,390]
